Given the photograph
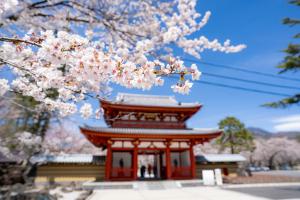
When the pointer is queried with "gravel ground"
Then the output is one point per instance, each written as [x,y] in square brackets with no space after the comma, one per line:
[267,177]
[292,173]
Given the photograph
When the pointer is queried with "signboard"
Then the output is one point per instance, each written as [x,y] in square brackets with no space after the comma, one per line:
[208,177]
[218,176]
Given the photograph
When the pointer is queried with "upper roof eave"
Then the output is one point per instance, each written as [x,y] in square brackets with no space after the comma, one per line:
[183,106]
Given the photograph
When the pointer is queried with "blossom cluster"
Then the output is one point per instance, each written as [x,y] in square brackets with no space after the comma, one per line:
[4,150]
[3,86]
[132,29]
[20,145]
[75,67]
[6,5]
[62,139]
[130,43]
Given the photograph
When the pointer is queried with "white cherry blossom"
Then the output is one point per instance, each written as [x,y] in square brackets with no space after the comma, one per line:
[86,110]
[7,5]
[183,88]
[20,145]
[130,43]
[4,87]
[195,72]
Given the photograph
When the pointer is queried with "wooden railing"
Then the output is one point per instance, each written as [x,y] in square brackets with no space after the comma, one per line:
[122,173]
[181,172]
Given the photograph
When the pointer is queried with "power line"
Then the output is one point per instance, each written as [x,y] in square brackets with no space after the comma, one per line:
[239,88]
[250,81]
[243,88]
[241,69]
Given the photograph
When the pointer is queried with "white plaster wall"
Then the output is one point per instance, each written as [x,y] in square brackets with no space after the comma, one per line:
[117,144]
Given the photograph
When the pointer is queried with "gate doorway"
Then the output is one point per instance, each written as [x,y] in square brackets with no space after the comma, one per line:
[151,165]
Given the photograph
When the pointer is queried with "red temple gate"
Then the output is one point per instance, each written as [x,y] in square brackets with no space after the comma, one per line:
[148,125]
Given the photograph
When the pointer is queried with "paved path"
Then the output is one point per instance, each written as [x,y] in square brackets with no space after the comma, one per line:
[195,193]
[274,193]
[169,190]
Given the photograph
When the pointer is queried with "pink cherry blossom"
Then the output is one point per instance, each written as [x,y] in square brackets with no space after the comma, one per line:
[131,43]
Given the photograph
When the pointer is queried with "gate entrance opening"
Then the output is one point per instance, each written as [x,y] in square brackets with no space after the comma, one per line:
[151,165]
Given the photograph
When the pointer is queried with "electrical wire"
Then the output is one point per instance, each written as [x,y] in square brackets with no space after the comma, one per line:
[238,88]
[240,69]
[251,81]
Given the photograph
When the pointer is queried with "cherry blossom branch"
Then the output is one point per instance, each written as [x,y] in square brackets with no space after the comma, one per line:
[22,68]
[3,61]
[18,40]
[122,41]
[18,104]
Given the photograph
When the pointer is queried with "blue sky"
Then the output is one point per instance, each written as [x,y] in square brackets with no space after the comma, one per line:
[257,24]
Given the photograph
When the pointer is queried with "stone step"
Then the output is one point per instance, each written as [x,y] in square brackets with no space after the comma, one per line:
[149,185]
[143,185]
[108,185]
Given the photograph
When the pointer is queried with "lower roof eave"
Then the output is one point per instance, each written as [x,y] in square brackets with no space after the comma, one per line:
[189,134]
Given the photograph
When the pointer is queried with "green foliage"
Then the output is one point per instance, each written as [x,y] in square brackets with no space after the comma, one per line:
[284,102]
[292,60]
[22,116]
[290,63]
[296,2]
[235,136]
[291,22]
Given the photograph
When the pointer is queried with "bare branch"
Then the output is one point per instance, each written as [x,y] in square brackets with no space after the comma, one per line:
[19,105]
[2,60]
[17,40]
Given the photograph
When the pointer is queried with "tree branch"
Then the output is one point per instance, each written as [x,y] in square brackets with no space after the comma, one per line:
[2,60]
[17,40]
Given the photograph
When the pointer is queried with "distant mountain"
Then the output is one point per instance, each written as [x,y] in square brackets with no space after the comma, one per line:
[258,132]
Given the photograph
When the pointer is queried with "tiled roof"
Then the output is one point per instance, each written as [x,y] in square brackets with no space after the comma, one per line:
[220,158]
[151,100]
[66,158]
[152,131]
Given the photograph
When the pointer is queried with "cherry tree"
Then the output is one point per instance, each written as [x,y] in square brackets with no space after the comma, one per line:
[207,148]
[276,151]
[21,146]
[60,139]
[62,52]
[15,143]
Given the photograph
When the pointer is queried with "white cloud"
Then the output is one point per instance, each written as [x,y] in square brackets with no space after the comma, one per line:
[295,126]
[288,123]
[290,118]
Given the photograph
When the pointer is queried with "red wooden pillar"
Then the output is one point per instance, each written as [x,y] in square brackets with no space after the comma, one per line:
[135,159]
[168,161]
[108,161]
[192,158]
